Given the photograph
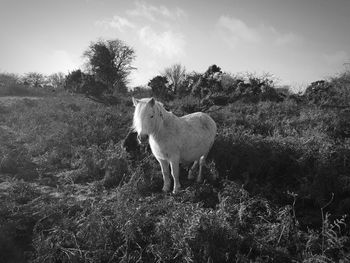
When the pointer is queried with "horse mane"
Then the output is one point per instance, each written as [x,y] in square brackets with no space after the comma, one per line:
[161,114]
[161,110]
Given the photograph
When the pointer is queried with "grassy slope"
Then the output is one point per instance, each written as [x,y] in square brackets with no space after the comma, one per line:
[69,192]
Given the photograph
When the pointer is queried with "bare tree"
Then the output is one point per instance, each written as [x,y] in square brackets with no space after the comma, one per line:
[34,79]
[175,75]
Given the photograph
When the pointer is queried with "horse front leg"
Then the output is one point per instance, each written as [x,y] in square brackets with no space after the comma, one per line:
[174,164]
[164,165]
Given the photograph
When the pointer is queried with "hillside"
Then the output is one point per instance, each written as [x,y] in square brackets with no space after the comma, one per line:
[277,185]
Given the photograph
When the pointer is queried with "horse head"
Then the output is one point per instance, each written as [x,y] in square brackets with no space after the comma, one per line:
[145,118]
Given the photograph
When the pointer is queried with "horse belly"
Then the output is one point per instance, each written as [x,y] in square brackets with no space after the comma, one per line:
[195,146]
[197,136]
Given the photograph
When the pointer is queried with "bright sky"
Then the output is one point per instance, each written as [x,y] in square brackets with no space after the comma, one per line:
[298,41]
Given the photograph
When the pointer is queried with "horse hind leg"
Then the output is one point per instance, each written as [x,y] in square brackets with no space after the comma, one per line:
[201,164]
[192,170]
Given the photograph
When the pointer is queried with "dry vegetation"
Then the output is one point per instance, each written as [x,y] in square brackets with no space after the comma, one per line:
[277,187]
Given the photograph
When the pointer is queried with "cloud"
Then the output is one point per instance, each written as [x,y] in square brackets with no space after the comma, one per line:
[286,39]
[117,22]
[237,31]
[180,13]
[167,43]
[152,13]
[337,58]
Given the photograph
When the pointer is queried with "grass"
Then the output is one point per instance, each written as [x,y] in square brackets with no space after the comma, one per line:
[69,193]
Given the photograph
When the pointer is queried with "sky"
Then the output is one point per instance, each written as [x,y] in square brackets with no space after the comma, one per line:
[297,41]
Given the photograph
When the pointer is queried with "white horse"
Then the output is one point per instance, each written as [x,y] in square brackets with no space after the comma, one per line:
[173,139]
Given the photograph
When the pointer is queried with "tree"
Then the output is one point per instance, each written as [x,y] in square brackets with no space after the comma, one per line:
[34,79]
[110,62]
[175,75]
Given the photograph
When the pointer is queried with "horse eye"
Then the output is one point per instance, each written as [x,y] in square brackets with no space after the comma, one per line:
[151,116]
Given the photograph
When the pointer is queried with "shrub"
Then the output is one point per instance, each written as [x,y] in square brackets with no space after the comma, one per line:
[74,80]
[334,92]
[79,82]
[218,88]
[208,83]
[160,88]
[186,86]
[190,104]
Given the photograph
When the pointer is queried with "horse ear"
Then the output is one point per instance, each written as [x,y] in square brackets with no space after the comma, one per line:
[152,102]
[135,101]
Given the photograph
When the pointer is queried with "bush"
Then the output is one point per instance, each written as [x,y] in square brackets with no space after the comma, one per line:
[208,83]
[217,88]
[79,82]
[160,88]
[334,92]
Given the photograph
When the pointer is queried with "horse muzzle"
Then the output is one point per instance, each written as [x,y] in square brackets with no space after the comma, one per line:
[142,138]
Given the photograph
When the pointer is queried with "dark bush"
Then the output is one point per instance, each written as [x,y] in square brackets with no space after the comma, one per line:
[218,88]
[79,82]
[160,88]
[74,81]
[208,83]
[91,86]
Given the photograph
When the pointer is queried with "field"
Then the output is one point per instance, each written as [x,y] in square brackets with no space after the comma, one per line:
[277,185]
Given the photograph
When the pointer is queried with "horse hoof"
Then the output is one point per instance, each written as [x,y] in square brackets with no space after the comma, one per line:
[176,191]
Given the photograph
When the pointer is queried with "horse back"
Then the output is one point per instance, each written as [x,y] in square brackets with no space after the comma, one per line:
[199,122]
